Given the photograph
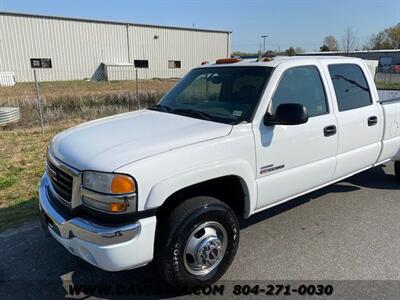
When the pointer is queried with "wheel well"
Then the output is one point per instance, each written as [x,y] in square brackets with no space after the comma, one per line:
[228,189]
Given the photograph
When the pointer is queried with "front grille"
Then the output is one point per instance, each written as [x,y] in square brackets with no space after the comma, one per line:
[61,181]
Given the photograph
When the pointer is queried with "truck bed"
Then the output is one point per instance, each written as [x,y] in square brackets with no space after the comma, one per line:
[389,95]
[390,102]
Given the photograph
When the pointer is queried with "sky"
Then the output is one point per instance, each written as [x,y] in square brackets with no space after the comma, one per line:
[301,23]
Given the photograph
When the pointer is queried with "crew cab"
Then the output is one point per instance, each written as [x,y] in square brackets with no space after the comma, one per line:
[169,183]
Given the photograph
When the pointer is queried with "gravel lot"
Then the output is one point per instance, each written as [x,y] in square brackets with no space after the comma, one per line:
[347,231]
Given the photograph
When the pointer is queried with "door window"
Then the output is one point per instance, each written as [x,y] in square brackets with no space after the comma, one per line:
[351,87]
[302,85]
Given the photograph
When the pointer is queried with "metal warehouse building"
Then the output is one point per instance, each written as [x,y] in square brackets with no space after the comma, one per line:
[102,50]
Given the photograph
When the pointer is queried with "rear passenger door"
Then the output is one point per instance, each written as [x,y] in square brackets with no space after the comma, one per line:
[358,117]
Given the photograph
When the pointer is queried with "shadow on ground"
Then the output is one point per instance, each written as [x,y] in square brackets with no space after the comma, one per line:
[16,214]
[33,266]
[375,178]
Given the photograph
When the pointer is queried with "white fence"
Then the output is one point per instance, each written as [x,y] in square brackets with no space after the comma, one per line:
[7,79]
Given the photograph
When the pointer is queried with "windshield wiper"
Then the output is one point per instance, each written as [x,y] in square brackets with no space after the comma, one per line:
[165,108]
[161,107]
[200,114]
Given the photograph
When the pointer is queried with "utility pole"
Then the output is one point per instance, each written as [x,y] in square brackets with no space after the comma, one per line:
[264,38]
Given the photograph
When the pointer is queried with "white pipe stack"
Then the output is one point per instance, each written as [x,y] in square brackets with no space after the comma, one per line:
[9,115]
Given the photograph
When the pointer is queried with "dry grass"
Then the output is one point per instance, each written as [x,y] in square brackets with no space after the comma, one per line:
[22,162]
[80,99]
[82,88]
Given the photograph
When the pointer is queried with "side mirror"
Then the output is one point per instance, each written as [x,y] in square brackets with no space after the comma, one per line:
[287,114]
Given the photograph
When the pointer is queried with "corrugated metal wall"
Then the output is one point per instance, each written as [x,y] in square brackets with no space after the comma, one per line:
[78,47]
[159,45]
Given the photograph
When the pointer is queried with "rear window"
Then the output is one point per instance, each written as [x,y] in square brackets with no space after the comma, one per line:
[351,87]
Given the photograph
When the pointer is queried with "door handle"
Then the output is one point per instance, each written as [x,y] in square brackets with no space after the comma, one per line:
[372,121]
[330,130]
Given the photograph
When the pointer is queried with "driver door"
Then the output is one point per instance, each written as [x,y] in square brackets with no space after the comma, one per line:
[294,159]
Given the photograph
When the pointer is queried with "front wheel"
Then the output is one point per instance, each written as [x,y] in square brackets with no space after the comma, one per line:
[197,242]
[397,170]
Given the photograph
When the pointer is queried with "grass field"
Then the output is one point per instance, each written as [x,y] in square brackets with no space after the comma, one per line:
[22,162]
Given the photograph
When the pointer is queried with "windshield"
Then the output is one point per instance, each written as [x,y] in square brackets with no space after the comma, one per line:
[220,94]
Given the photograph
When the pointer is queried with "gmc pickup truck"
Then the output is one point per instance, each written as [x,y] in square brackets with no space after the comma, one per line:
[168,184]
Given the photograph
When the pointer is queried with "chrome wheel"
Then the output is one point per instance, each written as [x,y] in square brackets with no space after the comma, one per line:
[205,248]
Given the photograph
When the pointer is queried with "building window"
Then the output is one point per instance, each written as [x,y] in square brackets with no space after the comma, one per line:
[141,63]
[174,64]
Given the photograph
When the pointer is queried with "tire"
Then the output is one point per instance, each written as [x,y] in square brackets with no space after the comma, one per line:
[397,170]
[198,221]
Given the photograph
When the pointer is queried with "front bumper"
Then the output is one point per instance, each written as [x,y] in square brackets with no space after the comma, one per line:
[108,247]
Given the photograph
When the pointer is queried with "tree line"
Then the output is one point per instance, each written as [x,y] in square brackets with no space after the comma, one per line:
[291,51]
[388,38]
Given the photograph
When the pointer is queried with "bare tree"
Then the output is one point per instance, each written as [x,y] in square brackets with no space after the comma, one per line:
[349,39]
[331,42]
[378,41]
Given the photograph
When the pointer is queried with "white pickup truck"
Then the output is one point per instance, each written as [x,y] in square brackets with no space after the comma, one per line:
[167,184]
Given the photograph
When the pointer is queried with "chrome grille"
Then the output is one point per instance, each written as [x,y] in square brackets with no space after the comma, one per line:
[61,181]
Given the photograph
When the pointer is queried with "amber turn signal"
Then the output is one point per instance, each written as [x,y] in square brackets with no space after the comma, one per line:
[122,184]
[118,207]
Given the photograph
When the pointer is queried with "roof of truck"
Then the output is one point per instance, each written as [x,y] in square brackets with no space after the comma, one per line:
[281,59]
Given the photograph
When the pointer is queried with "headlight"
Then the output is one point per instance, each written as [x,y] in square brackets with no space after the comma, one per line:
[109,192]
[108,183]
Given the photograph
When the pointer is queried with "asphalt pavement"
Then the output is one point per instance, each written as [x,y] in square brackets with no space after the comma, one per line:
[347,231]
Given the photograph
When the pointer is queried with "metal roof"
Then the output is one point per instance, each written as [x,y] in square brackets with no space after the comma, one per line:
[15,14]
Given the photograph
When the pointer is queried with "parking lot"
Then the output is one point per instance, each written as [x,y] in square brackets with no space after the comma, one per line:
[347,231]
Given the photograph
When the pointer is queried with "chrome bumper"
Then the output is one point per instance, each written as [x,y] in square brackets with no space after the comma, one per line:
[78,227]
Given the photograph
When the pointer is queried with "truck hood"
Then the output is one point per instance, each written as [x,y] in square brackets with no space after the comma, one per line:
[109,143]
